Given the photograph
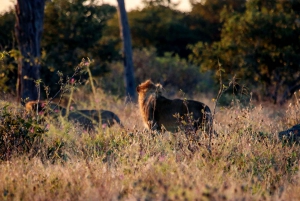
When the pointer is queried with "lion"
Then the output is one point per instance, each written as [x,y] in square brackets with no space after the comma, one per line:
[161,113]
[86,118]
[42,107]
[290,135]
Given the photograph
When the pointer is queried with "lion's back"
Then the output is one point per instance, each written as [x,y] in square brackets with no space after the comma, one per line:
[167,111]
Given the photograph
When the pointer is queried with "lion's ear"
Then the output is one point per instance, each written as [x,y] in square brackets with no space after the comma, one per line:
[159,86]
[29,105]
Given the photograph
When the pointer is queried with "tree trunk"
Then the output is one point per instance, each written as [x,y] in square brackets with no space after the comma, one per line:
[127,51]
[28,29]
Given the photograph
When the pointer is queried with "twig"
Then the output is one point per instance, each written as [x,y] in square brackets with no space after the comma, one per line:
[222,89]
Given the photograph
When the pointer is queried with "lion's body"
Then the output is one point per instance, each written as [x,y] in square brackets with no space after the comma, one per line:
[159,112]
[86,118]
[89,117]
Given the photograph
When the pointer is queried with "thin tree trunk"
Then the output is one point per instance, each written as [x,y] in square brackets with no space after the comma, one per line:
[28,29]
[127,51]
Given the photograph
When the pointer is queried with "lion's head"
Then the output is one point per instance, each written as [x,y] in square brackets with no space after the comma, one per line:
[42,107]
[149,88]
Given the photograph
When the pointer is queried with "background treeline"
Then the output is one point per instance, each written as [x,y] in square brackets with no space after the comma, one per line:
[256,40]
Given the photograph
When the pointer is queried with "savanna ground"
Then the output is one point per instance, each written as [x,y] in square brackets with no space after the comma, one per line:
[58,160]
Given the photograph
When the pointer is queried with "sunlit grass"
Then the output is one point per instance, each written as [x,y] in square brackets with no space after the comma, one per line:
[247,161]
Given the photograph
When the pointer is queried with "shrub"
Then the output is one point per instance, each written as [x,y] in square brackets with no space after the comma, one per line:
[173,72]
[19,134]
[26,135]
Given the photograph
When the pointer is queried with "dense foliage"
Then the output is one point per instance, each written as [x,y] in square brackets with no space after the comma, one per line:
[8,64]
[150,26]
[258,41]
[20,134]
[7,23]
[174,73]
[261,46]
[72,31]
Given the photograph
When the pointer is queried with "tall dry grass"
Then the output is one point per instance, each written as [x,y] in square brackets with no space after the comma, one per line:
[247,161]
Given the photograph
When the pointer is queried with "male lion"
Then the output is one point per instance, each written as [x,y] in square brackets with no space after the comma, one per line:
[159,112]
[87,118]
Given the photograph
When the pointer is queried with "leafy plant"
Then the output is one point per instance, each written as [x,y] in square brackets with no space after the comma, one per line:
[19,134]
[258,46]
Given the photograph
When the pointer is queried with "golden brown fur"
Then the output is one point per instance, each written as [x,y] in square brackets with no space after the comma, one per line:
[158,112]
[42,107]
[87,118]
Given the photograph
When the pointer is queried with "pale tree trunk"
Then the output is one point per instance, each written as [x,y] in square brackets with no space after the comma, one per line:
[127,51]
[28,29]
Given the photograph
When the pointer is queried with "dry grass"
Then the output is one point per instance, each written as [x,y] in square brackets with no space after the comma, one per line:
[247,161]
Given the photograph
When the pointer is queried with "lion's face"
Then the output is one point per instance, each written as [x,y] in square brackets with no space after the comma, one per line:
[148,88]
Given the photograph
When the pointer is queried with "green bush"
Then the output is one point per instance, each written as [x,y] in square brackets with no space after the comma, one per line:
[22,134]
[19,134]
[173,72]
[8,71]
